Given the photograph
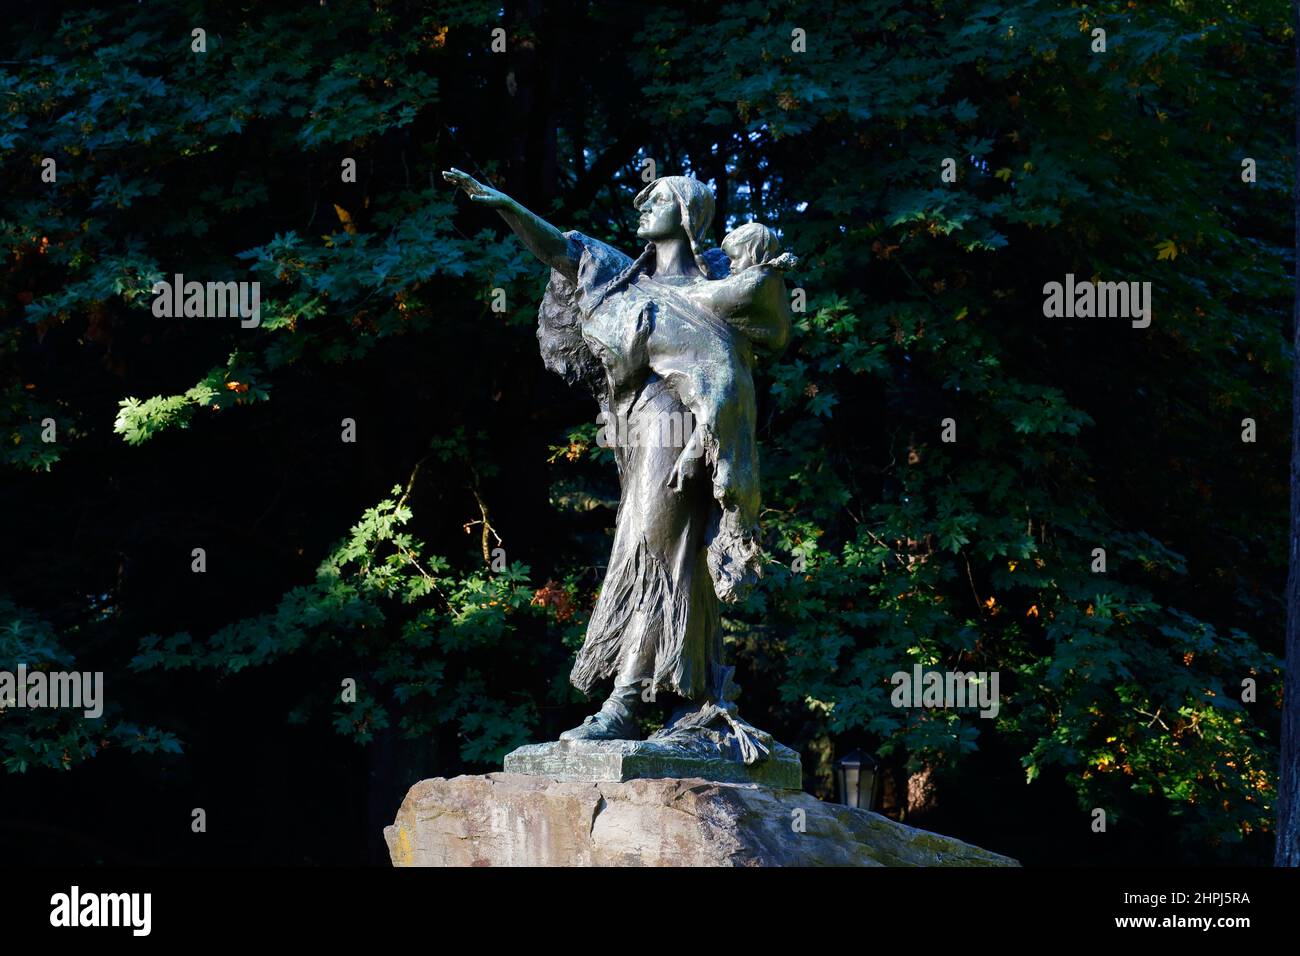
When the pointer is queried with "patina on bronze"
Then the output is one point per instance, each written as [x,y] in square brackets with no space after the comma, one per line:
[674,331]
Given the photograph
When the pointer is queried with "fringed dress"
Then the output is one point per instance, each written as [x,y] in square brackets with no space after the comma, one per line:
[676,549]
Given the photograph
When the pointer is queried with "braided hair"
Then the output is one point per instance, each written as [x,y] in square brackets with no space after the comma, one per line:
[695,205]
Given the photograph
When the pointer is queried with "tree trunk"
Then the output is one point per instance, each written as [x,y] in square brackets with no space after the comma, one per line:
[1288,823]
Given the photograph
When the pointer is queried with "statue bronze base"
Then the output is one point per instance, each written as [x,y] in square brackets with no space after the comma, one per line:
[615,761]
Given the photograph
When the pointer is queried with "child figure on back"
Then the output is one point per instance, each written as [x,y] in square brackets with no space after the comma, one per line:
[747,298]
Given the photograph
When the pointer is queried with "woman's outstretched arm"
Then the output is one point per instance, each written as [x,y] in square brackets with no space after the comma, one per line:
[542,239]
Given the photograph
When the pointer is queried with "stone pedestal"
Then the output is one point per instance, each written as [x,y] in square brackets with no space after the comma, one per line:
[506,819]
[615,761]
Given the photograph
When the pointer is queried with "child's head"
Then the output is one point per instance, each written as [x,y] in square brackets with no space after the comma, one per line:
[751,245]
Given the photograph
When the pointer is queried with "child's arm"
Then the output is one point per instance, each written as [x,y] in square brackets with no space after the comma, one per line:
[756,303]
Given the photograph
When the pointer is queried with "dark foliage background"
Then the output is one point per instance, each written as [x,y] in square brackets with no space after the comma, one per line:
[329,560]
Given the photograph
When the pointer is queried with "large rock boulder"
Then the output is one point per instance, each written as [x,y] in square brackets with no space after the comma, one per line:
[506,819]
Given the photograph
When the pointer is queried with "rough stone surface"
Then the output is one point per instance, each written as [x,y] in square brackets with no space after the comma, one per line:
[613,761]
[506,819]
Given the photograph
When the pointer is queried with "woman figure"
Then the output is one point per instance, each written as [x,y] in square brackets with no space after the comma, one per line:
[686,531]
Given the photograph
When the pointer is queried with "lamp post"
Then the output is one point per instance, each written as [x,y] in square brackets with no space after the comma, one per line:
[857,774]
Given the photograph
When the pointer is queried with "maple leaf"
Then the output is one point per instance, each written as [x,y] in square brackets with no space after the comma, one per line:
[1166,249]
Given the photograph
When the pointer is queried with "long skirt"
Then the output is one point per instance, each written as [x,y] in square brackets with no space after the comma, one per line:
[656,622]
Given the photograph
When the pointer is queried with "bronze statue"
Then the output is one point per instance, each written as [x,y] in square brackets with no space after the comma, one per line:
[671,334]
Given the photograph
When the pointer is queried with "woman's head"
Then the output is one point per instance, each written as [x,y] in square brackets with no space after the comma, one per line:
[675,206]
